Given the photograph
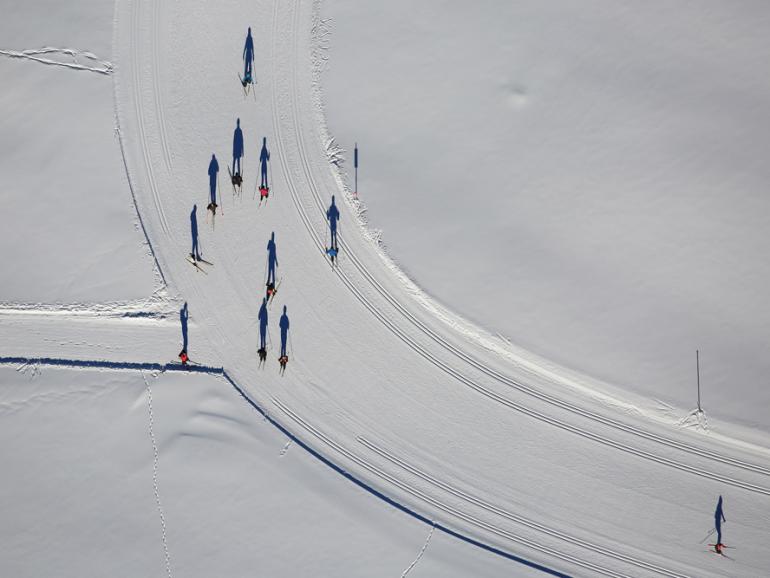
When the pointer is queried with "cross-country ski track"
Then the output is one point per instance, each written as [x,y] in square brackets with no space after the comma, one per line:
[376,384]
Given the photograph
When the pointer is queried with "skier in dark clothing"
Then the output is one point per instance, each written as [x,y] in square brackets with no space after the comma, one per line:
[719,517]
[333,214]
[213,172]
[237,147]
[272,261]
[195,253]
[248,58]
[264,156]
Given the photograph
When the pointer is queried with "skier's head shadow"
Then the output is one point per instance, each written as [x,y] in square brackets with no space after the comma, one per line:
[183,315]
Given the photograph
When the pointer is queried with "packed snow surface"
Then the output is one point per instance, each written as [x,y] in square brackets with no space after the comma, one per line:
[402,439]
[587,179]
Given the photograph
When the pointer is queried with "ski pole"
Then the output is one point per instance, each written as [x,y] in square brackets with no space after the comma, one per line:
[707,535]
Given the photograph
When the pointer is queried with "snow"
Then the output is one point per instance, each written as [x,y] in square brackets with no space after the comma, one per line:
[74,234]
[593,176]
[82,494]
[401,440]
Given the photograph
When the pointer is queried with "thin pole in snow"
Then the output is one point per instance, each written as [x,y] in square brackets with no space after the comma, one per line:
[355,165]
[697,369]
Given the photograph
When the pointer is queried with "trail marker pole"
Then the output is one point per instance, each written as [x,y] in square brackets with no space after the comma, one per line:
[355,165]
[697,369]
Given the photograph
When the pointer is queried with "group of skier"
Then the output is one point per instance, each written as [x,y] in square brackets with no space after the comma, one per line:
[236,177]
[236,172]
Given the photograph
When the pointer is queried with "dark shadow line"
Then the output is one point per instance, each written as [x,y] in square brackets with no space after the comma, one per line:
[98,364]
[405,509]
[127,365]
[131,187]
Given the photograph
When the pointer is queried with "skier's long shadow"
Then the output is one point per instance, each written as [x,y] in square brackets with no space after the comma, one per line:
[195,250]
[183,315]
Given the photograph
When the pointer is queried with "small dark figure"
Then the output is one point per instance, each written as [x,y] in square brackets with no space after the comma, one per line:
[263,325]
[272,261]
[213,172]
[237,150]
[195,253]
[719,517]
[284,325]
[264,157]
[183,357]
[248,57]
[333,214]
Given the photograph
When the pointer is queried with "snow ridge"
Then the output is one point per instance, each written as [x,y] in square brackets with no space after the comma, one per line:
[102,66]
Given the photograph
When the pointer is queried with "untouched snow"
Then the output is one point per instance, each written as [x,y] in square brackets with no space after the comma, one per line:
[235,499]
[74,235]
[587,179]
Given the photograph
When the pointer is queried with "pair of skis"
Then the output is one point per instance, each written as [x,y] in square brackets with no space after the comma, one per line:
[248,86]
[237,181]
[197,263]
[270,294]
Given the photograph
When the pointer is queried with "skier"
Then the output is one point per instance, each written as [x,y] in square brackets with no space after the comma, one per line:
[284,325]
[213,172]
[272,261]
[195,254]
[183,317]
[264,156]
[333,215]
[248,58]
[262,351]
[719,517]
[237,148]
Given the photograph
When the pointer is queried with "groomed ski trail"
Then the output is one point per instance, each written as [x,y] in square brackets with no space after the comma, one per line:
[309,181]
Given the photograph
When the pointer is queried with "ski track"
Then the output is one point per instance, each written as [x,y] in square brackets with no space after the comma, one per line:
[159,115]
[706,453]
[452,511]
[104,67]
[419,555]
[134,65]
[491,508]
[155,478]
[292,116]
